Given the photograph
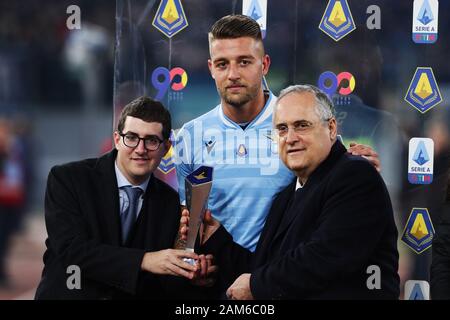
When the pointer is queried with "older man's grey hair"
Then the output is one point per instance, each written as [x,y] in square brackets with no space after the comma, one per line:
[324,106]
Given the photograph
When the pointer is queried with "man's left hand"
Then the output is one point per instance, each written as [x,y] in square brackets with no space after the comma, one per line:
[365,152]
[240,289]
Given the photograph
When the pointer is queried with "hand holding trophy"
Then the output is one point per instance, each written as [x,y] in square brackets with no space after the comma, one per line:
[197,187]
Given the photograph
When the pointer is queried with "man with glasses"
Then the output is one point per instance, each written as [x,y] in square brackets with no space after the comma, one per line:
[330,234]
[110,222]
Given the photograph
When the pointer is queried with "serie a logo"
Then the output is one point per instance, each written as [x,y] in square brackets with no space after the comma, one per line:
[423,92]
[170,18]
[420,160]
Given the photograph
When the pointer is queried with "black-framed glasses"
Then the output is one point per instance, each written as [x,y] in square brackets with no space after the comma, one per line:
[132,140]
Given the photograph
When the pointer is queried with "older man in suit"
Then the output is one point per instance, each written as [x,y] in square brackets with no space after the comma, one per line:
[326,231]
[112,220]
[440,266]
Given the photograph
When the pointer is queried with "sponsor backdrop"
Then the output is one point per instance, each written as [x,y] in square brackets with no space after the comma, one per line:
[384,64]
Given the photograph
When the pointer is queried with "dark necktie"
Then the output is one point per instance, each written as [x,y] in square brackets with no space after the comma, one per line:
[128,216]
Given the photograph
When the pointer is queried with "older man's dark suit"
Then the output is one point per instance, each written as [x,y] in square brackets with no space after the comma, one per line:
[319,242]
[83,225]
[440,266]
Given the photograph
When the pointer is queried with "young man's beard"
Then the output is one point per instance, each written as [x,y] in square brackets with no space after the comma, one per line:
[238,101]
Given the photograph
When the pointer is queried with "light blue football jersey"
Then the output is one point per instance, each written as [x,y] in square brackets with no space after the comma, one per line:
[248,173]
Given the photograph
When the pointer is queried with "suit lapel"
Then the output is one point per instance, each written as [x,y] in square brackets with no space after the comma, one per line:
[302,195]
[109,214]
[272,223]
[294,210]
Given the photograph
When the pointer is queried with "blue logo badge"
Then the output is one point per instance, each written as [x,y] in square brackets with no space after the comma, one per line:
[167,165]
[255,11]
[423,92]
[417,290]
[425,13]
[201,175]
[420,160]
[337,21]
[416,293]
[170,18]
[421,156]
[419,230]
[425,21]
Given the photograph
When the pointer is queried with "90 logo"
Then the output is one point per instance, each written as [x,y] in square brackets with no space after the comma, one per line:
[167,78]
[335,82]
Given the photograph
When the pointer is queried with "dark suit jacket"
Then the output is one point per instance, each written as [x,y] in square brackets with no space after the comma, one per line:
[83,226]
[440,266]
[319,242]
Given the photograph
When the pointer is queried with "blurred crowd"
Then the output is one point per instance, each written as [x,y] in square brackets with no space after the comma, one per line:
[15,176]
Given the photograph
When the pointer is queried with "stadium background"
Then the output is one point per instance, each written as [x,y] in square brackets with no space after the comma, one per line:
[60,90]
